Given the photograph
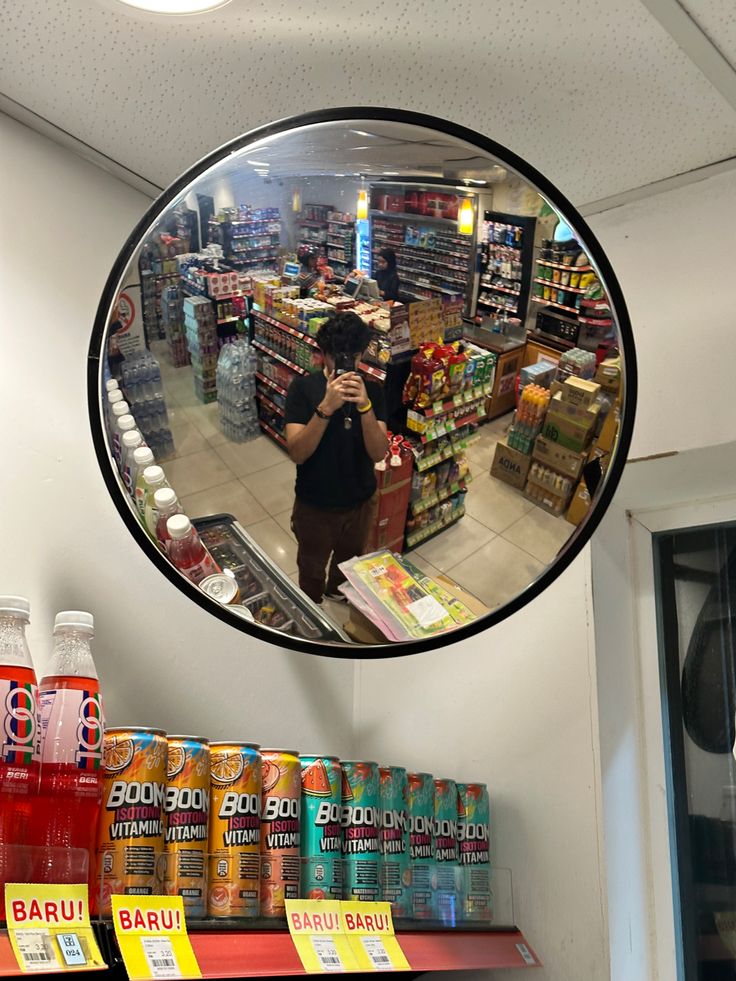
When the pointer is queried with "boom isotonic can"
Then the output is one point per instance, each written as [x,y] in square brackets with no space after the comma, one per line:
[280,829]
[421,844]
[131,841]
[235,831]
[187,810]
[447,867]
[473,834]
[321,876]
[395,860]
[361,824]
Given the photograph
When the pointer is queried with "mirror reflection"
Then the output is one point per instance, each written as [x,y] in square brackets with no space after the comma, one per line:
[362,383]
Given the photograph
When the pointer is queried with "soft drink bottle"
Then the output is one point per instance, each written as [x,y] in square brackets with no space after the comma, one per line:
[113,398]
[72,723]
[129,444]
[186,550]
[142,458]
[20,735]
[124,424]
[153,478]
[167,504]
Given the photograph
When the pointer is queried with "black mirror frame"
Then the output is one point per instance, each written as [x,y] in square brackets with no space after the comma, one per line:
[579,538]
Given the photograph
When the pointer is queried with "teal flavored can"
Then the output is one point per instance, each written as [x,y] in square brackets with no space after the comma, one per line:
[421,844]
[321,874]
[395,860]
[473,836]
[361,826]
[446,856]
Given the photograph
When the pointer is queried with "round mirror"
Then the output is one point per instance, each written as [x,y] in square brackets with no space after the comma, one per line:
[362,382]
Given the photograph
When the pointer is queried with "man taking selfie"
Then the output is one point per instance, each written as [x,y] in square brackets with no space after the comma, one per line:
[335,433]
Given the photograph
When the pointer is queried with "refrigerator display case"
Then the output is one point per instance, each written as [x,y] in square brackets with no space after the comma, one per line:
[267,594]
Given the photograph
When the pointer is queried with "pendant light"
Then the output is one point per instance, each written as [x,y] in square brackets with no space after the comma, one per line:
[362,209]
[465,217]
[296,200]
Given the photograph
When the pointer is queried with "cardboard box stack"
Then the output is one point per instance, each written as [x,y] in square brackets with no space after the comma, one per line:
[201,334]
[394,489]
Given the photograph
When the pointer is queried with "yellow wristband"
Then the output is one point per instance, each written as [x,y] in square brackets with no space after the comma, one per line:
[366,409]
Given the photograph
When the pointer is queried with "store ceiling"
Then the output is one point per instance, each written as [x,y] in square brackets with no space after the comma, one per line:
[595,93]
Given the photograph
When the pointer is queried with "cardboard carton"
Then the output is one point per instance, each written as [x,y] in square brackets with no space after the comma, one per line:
[567,432]
[510,466]
[579,391]
[558,457]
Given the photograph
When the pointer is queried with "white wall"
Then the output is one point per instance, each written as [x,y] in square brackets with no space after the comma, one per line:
[161,661]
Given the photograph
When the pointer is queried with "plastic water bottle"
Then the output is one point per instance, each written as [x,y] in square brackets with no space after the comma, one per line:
[113,398]
[154,478]
[130,443]
[124,425]
[72,725]
[142,458]
[21,739]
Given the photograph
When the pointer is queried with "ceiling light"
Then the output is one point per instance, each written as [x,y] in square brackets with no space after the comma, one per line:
[362,208]
[465,217]
[175,6]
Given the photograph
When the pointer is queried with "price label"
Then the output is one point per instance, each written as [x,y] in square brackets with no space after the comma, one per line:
[316,928]
[457,400]
[152,935]
[526,955]
[49,928]
[370,930]
[438,407]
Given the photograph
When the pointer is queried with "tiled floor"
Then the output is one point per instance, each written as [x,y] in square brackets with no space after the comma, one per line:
[500,546]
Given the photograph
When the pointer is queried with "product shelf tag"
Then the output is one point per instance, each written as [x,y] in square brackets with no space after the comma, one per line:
[370,931]
[152,934]
[49,928]
[316,928]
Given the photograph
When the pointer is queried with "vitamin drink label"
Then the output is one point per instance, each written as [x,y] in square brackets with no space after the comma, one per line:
[196,573]
[473,841]
[75,720]
[446,850]
[187,810]
[21,732]
[280,831]
[395,859]
[321,875]
[361,824]
[421,842]
[235,831]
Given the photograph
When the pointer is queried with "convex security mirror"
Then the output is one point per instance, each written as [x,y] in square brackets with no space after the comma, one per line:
[362,382]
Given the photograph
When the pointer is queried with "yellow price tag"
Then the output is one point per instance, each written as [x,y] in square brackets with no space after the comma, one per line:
[316,928]
[370,930]
[49,928]
[152,935]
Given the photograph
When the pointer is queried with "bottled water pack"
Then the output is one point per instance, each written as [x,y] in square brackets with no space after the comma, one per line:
[236,391]
[144,391]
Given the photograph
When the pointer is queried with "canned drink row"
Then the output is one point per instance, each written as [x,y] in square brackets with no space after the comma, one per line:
[236,831]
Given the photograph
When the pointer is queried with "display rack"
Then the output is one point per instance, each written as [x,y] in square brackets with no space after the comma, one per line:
[506,254]
[340,242]
[283,353]
[313,225]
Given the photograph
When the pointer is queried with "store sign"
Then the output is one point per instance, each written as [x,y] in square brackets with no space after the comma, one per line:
[332,936]
[152,935]
[130,338]
[49,928]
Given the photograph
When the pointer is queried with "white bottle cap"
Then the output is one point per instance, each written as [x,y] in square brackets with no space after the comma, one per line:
[131,439]
[16,606]
[75,619]
[115,396]
[126,423]
[153,475]
[179,526]
[120,409]
[164,497]
[143,456]
[111,385]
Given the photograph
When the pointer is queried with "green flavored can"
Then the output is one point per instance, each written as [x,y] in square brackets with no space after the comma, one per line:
[473,835]
[361,825]
[321,875]
[395,860]
[421,844]
[446,857]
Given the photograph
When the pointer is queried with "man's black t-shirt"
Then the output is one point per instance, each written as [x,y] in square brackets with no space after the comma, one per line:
[339,474]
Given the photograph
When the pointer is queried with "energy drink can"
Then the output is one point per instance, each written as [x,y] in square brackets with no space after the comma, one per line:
[235,831]
[421,844]
[361,825]
[321,875]
[473,835]
[187,810]
[395,861]
[280,829]
[447,867]
[131,840]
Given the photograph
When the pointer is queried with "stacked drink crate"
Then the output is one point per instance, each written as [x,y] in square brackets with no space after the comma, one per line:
[172,316]
[201,335]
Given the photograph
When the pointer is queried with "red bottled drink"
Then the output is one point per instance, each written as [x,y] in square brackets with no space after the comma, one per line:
[20,736]
[72,727]
[167,504]
[186,550]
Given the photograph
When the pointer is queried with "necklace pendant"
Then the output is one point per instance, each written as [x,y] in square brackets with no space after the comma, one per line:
[348,422]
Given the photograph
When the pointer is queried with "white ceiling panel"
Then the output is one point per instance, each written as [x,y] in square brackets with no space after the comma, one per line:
[594,93]
[717,19]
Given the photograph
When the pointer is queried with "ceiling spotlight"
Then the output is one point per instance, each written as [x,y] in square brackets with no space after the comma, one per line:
[175,6]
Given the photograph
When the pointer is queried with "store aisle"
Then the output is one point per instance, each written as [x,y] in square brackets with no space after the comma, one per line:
[502,543]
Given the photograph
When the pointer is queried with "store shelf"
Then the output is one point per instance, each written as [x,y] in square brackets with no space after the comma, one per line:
[453,427]
[228,320]
[271,384]
[252,221]
[424,534]
[433,459]
[430,286]
[336,221]
[498,306]
[279,357]
[271,405]
[427,272]
[436,496]
[559,265]
[559,286]
[286,328]
[282,442]
[196,291]
[312,223]
[368,369]
[419,219]
[553,303]
[442,408]
[418,248]
[501,289]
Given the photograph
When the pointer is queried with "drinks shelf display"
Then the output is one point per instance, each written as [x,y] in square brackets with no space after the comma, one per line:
[313,225]
[506,264]
[250,238]
[340,242]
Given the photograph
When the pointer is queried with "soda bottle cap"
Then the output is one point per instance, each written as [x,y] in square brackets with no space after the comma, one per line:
[125,423]
[114,396]
[153,475]
[164,497]
[131,439]
[179,526]
[120,409]
[143,455]
[76,619]
[111,385]
[16,606]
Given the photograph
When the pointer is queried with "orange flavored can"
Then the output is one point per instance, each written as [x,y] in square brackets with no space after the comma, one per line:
[131,839]
[235,831]
[280,830]
[187,812]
